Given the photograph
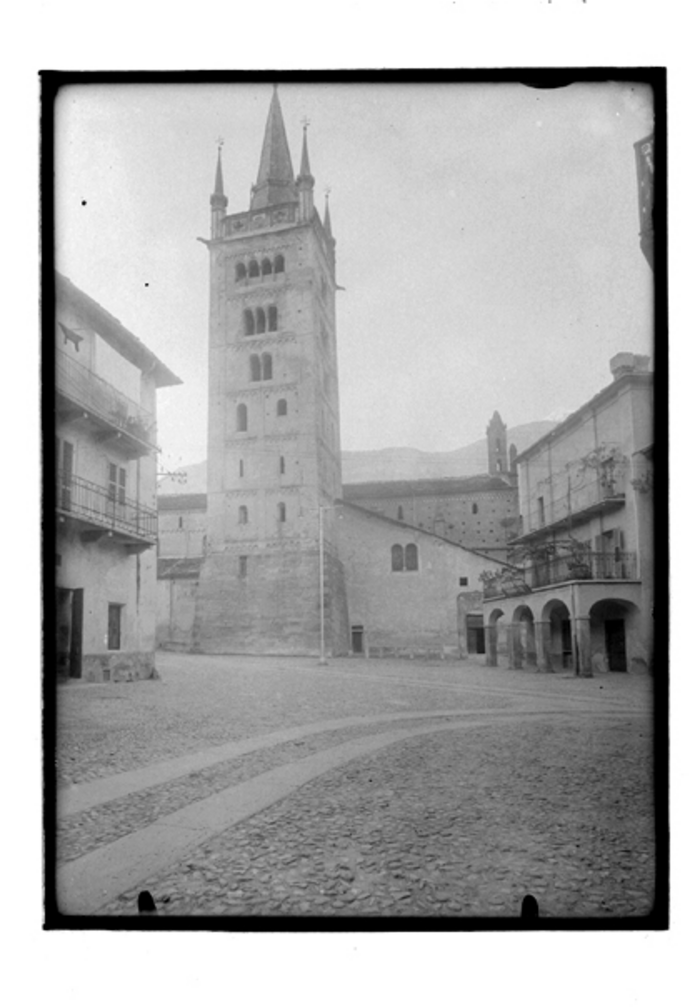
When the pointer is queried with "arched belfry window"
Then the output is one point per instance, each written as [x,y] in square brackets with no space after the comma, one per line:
[279,263]
[266,267]
[272,318]
[266,367]
[475,508]
[248,322]
[411,557]
[255,367]
[243,514]
[240,271]
[259,320]
[281,512]
[253,268]
[242,417]
[396,558]
[281,407]
[399,515]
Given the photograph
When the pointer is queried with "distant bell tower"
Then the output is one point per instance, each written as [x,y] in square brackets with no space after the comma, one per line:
[274,431]
[497,446]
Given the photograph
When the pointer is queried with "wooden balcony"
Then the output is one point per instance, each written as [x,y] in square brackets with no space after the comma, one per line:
[594,566]
[114,418]
[98,511]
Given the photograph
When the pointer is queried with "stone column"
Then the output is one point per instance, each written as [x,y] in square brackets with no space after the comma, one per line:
[492,645]
[582,647]
[515,647]
[543,643]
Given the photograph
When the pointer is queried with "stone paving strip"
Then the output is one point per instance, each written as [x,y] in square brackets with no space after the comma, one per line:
[95,877]
[451,823]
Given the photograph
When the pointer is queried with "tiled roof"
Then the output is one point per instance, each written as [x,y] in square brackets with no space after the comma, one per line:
[182,501]
[425,487]
[180,569]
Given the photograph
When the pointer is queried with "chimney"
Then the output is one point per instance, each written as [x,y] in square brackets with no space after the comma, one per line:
[628,363]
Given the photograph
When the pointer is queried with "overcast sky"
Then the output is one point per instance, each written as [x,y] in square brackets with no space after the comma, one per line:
[487,238]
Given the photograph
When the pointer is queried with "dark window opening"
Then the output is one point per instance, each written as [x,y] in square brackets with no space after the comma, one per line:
[253,269]
[266,367]
[411,557]
[240,468]
[540,509]
[255,368]
[279,263]
[281,512]
[243,514]
[242,418]
[242,566]
[114,627]
[272,318]
[266,267]
[399,514]
[463,581]
[259,320]
[475,508]
[116,487]
[282,407]
[281,464]
[249,322]
[240,271]
[179,522]
[396,558]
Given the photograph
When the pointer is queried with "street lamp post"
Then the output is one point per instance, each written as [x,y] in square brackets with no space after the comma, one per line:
[321,581]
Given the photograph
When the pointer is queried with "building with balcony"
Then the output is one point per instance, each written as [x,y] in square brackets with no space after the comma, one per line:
[105,492]
[580,592]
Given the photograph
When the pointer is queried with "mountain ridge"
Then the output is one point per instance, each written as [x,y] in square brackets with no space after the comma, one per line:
[392,464]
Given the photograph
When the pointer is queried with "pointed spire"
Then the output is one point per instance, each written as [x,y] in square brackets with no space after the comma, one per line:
[275,176]
[305,170]
[219,181]
[327,217]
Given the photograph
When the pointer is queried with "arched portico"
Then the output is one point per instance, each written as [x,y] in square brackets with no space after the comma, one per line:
[616,636]
[556,625]
[522,638]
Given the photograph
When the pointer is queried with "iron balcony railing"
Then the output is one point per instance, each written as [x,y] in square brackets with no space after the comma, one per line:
[96,395]
[106,508]
[615,565]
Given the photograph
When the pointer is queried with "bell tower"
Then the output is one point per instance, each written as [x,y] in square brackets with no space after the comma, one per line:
[497,446]
[274,432]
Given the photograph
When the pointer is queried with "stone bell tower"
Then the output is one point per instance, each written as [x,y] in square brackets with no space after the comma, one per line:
[274,432]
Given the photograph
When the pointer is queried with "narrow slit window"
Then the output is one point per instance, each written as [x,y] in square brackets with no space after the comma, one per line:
[242,418]
[282,466]
[272,318]
[281,512]
[281,407]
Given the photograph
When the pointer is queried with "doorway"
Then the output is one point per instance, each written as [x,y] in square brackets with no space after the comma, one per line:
[476,639]
[69,632]
[615,644]
[358,640]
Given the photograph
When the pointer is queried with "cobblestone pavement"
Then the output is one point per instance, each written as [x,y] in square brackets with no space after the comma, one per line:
[460,823]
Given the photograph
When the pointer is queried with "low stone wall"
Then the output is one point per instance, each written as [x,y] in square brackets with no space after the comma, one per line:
[119,667]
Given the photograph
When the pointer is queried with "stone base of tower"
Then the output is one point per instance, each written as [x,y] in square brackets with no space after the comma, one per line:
[270,604]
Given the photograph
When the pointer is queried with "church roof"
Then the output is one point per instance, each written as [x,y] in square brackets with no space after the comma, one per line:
[424,487]
[275,175]
[182,501]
